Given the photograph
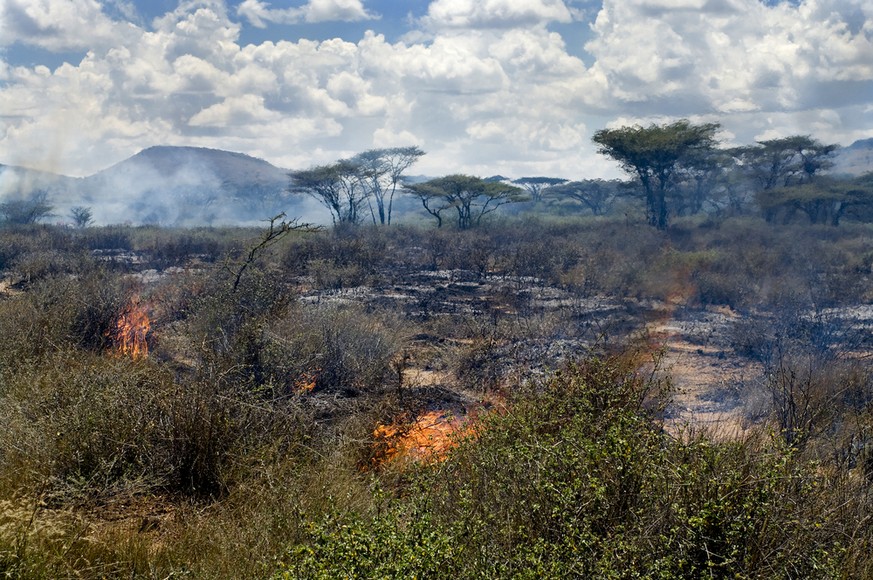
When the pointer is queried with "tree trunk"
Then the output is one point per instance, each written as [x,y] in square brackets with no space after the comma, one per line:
[661,206]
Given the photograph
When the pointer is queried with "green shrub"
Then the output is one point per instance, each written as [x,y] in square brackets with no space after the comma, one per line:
[578,479]
[391,546]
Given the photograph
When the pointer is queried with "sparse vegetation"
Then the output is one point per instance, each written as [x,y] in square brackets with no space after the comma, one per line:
[251,441]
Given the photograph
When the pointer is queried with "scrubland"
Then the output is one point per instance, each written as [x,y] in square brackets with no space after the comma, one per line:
[404,401]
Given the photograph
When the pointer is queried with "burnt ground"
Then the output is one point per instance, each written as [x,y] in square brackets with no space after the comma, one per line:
[530,328]
[477,331]
[709,377]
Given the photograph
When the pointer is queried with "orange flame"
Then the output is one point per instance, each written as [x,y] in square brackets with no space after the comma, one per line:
[429,437]
[131,330]
[305,383]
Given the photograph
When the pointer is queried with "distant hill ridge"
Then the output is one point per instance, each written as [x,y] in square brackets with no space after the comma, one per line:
[232,166]
[174,186]
[856,159]
[862,144]
[181,185]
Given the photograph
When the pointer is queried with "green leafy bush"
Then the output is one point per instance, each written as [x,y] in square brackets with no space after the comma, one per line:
[578,479]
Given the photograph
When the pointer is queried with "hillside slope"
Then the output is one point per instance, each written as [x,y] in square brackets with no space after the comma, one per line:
[189,186]
[172,186]
[856,159]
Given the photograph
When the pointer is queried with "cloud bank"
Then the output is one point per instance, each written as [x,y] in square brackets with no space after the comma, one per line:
[499,86]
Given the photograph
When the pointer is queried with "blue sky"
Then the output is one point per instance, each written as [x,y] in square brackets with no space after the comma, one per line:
[515,87]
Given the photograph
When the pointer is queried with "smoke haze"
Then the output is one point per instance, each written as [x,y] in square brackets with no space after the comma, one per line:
[170,186]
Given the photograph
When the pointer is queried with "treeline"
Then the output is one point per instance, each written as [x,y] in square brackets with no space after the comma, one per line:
[675,169]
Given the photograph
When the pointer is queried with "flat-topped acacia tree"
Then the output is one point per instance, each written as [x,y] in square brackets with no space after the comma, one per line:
[784,162]
[380,172]
[471,197]
[337,187]
[536,186]
[654,154]
[350,186]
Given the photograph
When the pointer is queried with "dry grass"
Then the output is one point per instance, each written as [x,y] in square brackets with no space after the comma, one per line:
[208,459]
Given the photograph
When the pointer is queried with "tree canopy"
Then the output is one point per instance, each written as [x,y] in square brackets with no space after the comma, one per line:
[81,216]
[536,186]
[471,197]
[596,195]
[654,154]
[825,200]
[336,186]
[787,161]
[27,210]
[380,172]
[349,186]
[781,164]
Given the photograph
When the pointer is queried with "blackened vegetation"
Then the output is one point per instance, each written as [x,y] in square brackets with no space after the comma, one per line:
[275,354]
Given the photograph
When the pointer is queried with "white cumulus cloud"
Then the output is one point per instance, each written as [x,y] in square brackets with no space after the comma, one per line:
[57,25]
[493,88]
[494,13]
[260,13]
[726,57]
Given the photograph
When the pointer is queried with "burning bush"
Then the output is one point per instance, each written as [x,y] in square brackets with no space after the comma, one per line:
[131,331]
[429,436]
[63,312]
[351,349]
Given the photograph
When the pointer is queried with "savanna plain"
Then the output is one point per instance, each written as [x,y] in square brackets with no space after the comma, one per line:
[539,396]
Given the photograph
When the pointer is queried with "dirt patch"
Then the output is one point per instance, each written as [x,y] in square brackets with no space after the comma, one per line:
[706,373]
[8,287]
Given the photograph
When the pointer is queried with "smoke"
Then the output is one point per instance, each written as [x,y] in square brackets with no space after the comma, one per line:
[17,183]
[170,186]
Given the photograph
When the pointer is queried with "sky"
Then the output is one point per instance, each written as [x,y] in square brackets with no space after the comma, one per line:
[484,87]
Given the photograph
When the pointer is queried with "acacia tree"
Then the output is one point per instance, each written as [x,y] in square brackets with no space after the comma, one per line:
[598,195]
[536,186]
[654,154]
[471,197]
[782,163]
[28,210]
[703,177]
[825,200]
[337,187]
[380,172]
[81,216]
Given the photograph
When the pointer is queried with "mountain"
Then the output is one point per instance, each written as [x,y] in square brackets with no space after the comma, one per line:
[228,168]
[16,181]
[856,159]
[190,186]
[172,186]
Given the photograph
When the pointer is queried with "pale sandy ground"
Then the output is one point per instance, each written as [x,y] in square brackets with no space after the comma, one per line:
[707,377]
[704,386]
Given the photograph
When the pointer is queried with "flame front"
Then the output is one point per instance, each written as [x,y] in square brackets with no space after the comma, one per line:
[430,436]
[131,330]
